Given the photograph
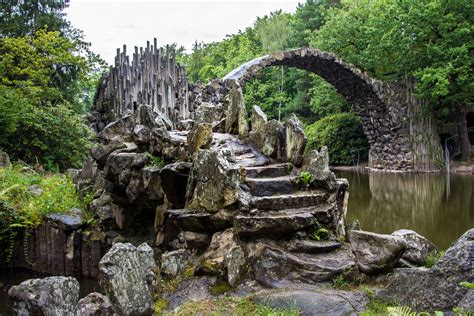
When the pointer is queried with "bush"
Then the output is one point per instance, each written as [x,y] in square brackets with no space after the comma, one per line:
[26,197]
[54,136]
[341,133]
[10,105]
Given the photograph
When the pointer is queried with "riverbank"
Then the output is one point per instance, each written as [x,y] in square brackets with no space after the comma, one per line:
[455,167]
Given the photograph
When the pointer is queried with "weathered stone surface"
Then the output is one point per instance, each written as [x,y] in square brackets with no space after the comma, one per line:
[214,257]
[185,125]
[272,223]
[467,302]
[101,152]
[307,302]
[126,276]
[236,265]
[259,119]
[236,116]
[197,221]
[271,171]
[295,140]
[311,246]
[376,252]
[70,221]
[208,113]
[196,240]
[418,247]
[272,144]
[49,296]
[95,304]
[437,288]
[199,137]
[275,267]
[317,164]
[4,159]
[173,263]
[214,181]
[272,186]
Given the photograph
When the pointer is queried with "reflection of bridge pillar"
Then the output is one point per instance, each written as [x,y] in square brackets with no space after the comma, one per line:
[400,137]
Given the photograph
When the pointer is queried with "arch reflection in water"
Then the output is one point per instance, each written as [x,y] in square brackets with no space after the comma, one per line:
[438,207]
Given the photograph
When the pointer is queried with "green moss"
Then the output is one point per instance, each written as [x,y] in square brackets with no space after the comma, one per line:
[155,161]
[220,288]
[433,258]
[376,307]
[160,306]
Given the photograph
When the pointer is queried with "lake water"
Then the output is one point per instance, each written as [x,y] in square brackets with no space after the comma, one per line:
[438,207]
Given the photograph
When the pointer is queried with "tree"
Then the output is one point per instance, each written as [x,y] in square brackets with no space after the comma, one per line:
[431,40]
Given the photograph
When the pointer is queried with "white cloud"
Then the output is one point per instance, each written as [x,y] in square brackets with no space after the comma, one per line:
[108,24]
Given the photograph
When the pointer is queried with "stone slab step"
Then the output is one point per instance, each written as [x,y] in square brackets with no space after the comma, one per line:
[272,225]
[312,246]
[286,201]
[270,171]
[272,186]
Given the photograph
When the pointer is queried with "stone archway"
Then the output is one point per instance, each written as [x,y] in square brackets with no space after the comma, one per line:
[400,137]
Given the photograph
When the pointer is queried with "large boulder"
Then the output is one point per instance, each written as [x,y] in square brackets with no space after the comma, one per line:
[272,140]
[418,247]
[173,263]
[438,288]
[236,264]
[95,304]
[276,267]
[295,140]
[127,277]
[208,113]
[49,296]
[213,261]
[214,181]
[317,164]
[236,116]
[259,119]
[199,137]
[376,252]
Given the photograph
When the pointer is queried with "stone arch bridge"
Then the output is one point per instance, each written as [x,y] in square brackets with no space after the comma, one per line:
[400,136]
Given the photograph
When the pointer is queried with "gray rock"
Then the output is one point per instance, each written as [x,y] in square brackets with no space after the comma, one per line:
[198,221]
[272,223]
[199,137]
[95,304]
[317,164]
[236,116]
[295,140]
[312,246]
[214,257]
[185,125]
[208,113]
[127,276]
[173,263]
[101,152]
[275,267]
[49,296]
[376,252]
[236,265]
[272,143]
[418,247]
[196,240]
[438,288]
[259,119]
[67,222]
[214,181]
[4,159]
[467,302]
[307,302]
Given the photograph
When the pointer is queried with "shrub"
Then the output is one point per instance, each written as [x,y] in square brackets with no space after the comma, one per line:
[26,197]
[54,136]
[341,133]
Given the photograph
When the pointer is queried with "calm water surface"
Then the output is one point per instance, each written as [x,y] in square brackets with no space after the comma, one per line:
[438,207]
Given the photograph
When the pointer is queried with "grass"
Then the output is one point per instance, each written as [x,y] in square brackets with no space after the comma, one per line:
[27,196]
[231,306]
[433,258]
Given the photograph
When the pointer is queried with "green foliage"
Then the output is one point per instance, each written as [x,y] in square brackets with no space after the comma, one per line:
[219,288]
[26,197]
[341,133]
[53,136]
[469,285]
[155,161]
[305,178]
[320,233]
[401,311]
[11,105]
[376,307]
[274,31]
[433,258]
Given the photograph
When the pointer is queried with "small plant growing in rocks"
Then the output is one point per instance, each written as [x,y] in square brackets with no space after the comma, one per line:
[305,178]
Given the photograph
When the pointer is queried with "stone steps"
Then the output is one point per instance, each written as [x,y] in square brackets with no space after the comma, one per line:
[272,186]
[312,246]
[287,201]
[271,225]
[269,171]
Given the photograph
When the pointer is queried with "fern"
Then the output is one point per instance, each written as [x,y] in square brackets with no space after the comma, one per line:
[401,311]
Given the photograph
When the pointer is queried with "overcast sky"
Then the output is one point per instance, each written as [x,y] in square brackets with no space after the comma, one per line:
[108,24]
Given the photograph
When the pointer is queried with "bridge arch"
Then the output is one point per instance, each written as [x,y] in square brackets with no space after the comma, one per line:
[400,136]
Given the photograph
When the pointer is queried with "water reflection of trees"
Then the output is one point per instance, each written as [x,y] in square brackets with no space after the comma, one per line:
[384,202]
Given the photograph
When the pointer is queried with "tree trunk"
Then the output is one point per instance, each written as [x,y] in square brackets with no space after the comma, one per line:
[463,135]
